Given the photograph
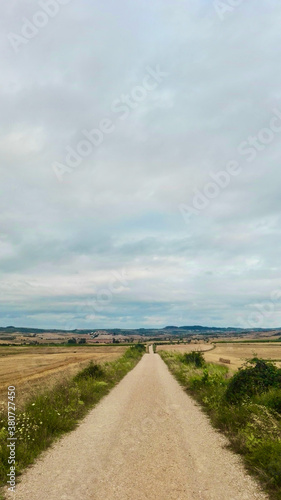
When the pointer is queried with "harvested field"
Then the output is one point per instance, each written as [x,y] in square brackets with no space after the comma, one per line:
[185,347]
[237,353]
[33,368]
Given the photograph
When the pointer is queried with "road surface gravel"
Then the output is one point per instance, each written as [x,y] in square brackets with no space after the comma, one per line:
[145,440]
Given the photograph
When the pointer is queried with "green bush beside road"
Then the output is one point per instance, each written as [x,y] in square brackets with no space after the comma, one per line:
[246,407]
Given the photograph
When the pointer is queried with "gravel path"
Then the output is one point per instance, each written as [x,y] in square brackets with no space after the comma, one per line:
[145,440]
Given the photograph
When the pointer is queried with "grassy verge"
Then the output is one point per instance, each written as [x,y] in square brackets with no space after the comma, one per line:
[56,411]
[246,407]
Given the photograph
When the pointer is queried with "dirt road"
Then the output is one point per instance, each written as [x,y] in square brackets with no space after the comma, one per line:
[145,440]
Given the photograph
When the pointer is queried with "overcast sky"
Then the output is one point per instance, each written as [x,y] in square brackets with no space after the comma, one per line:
[126,230]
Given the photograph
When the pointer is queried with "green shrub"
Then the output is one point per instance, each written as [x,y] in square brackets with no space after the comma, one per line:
[93,370]
[271,399]
[253,423]
[256,377]
[135,351]
[195,357]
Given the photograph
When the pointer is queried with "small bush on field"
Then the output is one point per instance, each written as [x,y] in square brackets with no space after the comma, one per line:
[257,377]
[56,411]
[195,357]
[93,370]
[246,407]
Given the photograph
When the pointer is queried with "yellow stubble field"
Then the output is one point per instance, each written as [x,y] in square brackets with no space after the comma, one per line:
[237,353]
[182,348]
[32,368]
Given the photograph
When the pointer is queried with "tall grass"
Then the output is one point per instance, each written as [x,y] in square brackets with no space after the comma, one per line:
[252,421]
[53,412]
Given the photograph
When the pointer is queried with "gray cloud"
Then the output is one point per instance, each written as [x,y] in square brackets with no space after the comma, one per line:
[60,242]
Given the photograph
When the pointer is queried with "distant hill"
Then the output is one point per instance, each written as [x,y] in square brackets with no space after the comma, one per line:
[167,330]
